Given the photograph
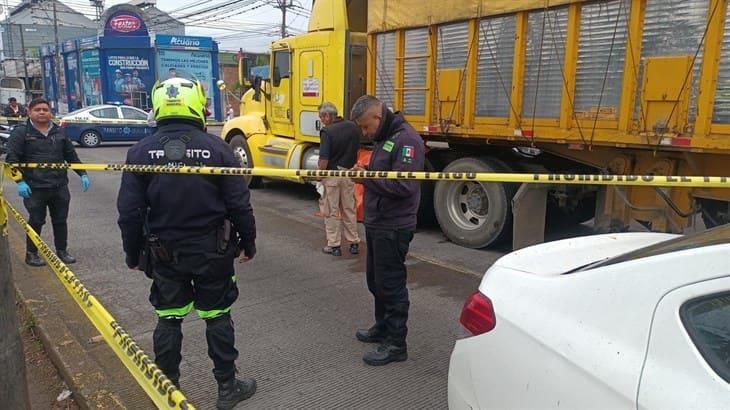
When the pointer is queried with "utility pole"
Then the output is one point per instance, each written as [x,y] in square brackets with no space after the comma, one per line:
[9,35]
[13,384]
[25,61]
[56,55]
[283,5]
[98,7]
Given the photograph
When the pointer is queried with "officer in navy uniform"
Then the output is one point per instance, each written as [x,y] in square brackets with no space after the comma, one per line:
[189,228]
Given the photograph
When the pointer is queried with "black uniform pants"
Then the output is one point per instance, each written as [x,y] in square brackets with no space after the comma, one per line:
[197,277]
[57,201]
[386,277]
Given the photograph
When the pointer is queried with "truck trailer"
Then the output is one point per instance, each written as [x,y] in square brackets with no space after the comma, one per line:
[630,87]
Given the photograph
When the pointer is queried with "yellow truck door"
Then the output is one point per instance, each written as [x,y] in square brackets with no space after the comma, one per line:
[311,83]
[281,98]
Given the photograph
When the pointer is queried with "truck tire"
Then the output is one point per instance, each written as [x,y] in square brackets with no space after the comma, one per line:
[243,155]
[473,214]
[426,213]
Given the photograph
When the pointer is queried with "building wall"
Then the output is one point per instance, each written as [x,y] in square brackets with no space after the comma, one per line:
[36,35]
[229,75]
[36,21]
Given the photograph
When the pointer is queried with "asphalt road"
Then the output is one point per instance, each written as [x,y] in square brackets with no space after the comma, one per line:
[298,308]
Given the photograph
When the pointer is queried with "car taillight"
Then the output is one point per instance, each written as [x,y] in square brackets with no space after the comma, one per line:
[477,316]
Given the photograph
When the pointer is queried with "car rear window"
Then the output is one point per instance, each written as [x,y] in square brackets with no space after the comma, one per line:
[132,114]
[110,112]
[707,320]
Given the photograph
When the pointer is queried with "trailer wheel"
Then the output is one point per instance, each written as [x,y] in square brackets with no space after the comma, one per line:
[475,214]
[243,155]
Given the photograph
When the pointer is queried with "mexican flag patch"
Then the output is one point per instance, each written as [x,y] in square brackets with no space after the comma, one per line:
[408,154]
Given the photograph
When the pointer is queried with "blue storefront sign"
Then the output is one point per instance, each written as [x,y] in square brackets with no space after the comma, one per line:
[49,74]
[90,70]
[126,58]
[195,55]
[70,56]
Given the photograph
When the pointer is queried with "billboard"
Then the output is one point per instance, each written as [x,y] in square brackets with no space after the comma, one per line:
[195,55]
[73,86]
[197,63]
[129,77]
[125,22]
[91,77]
[48,67]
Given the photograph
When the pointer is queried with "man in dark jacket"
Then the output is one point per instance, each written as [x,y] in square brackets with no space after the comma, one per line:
[391,207]
[14,110]
[181,226]
[40,140]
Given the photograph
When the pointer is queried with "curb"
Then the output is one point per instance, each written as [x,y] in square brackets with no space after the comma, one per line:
[77,358]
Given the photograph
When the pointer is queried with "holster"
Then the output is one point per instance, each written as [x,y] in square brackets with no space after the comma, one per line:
[223,236]
[157,250]
[145,261]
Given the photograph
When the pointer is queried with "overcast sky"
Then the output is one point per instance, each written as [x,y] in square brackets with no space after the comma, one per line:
[262,15]
[252,30]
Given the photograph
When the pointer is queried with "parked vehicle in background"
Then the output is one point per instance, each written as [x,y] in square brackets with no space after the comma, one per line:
[570,87]
[617,321]
[13,87]
[5,131]
[92,125]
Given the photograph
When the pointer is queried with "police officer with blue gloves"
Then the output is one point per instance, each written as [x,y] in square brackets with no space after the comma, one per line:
[185,231]
[40,140]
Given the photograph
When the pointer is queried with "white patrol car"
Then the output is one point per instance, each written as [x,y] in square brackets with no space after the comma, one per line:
[110,123]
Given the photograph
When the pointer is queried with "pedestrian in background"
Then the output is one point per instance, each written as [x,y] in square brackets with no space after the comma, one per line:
[391,207]
[230,113]
[339,143]
[14,110]
[39,140]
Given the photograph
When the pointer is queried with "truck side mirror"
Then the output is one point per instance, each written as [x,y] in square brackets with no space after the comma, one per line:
[257,88]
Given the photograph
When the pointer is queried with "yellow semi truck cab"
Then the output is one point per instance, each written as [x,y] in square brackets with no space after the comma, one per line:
[279,124]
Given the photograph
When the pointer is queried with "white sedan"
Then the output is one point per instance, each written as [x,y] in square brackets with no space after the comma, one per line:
[619,321]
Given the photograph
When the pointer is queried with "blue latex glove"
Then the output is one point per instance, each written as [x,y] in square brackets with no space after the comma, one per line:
[85,183]
[23,189]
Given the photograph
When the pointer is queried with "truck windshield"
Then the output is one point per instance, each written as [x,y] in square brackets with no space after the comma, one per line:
[715,236]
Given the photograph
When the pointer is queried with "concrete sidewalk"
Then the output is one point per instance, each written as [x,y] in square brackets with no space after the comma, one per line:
[88,366]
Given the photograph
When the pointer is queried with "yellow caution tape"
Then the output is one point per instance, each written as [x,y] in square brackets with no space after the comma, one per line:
[158,387]
[568,179]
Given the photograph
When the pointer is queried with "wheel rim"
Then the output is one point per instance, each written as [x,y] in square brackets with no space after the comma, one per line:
[468,204]
[90,138]
[242,156]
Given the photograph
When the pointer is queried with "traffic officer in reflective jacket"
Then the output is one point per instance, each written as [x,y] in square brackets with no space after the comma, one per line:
[185,231]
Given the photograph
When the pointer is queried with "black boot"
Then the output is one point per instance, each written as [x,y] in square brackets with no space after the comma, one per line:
[373,335]
[32,259]
[384,354]
[234,391]
[65,257]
